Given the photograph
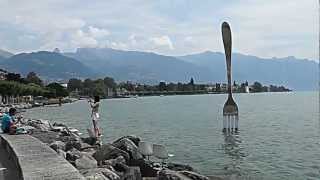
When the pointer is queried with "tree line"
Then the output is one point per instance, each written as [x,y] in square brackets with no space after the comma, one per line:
[15,85]
[108,87]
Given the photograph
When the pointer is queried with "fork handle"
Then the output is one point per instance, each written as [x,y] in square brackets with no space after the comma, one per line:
[227,43]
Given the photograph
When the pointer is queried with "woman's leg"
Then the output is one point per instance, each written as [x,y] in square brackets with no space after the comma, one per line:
[95,128]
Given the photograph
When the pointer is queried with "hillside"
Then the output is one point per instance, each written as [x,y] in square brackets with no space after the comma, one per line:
[48,65]
[5,54]
[298,74]
[145,67]
[139,66]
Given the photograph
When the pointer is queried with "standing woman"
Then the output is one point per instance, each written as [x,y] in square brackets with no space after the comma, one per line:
[95,115]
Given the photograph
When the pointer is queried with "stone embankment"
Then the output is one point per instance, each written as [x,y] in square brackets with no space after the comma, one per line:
[118,160]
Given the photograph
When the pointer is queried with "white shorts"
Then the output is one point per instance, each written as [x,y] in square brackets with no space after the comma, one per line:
[95,116]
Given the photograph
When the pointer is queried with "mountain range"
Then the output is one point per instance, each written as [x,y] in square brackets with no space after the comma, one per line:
[146,67]
[49,65]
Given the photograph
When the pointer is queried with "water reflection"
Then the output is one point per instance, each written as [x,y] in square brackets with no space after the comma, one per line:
[232,147]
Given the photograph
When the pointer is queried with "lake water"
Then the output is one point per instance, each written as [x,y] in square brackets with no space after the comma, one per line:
[279,135]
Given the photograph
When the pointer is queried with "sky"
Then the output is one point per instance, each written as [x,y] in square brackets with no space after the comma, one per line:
[264,28]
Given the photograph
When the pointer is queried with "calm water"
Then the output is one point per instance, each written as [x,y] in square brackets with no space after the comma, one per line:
[279,134]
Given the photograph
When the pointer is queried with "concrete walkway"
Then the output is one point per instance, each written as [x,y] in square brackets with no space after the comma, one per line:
[37,160]
[8,171]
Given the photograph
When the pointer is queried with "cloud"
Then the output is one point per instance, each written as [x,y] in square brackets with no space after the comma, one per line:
[98,33]
[263,28]
[162,41]
[188,39]
[81,39]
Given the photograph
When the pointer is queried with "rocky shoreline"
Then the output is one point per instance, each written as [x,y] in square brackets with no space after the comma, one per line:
[118,160]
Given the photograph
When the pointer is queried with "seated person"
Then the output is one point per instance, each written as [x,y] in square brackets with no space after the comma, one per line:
[7,121]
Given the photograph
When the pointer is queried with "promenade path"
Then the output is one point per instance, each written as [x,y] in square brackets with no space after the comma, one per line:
[34,160]
[8,170]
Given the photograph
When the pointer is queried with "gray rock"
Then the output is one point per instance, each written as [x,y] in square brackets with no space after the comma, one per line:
[89,140]
[132,173]
[129,146]
[100,173]
[167,174]
[73,144]
[96,176]
[147,169]
[114,162]
[73,154]
[86,162]
[62,153]
[194,175]
[135,139]
[108,151]
[85,146]
[179,167]
[58,145]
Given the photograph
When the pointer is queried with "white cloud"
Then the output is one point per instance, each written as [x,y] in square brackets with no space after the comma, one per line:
[81,39]
[259,27]
[188,39]
[98,33]
[163,41]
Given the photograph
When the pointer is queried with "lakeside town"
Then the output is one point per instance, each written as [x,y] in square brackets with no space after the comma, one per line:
[31,89]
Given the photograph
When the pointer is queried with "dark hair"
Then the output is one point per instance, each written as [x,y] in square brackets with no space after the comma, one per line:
[96,98]
[12,111]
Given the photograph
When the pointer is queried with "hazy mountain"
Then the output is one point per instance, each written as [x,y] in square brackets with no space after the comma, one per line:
[48,65]
[139,66]
[147,67]
[5,54]
[294,73]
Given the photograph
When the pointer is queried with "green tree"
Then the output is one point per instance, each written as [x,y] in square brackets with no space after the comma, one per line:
[13,77]
[191,82]
[33,78]
[109,82]
[57,90]
[257,87]
[99,88]
[162,86]
[75,84]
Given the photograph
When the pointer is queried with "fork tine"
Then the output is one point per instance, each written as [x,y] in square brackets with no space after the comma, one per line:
[232,122]
[229,122]
[224,123]
[236,123]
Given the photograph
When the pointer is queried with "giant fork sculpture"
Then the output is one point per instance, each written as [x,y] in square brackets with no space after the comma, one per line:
[230,108]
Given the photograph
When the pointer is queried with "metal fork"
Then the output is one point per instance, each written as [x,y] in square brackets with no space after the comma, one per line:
[230,108]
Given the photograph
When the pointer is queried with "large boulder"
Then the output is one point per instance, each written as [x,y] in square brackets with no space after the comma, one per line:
[86,146]
[130,147]
[132,173]
[171,175]
[179,167]
[73,154]
[146,168]
[108,151]
[86,162]
[167,174]
[135,139]
[62,153]
[100,173]
[73,144]
[114,162]
[58,145]
[89,140]
[193,175]
[43,125]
